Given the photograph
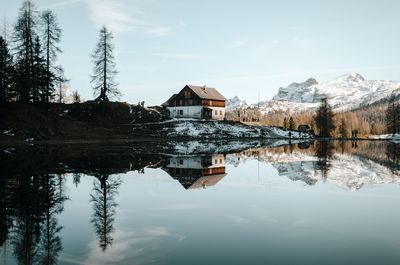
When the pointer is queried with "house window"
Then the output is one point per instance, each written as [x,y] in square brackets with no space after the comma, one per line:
[181,102]
[181,112]
[220,161]
[220,112]
[216,112]
[181,162]
[216,161]
[190,102]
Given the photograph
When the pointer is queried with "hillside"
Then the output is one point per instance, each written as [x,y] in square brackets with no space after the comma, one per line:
[86,121]
[93,121]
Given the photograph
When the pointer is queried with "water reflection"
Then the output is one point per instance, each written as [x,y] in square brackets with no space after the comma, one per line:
[33,182]
[29,210]
[195,172]
[349,165]
[105,188]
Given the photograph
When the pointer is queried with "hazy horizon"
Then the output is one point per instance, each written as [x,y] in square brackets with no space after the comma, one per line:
[241,48]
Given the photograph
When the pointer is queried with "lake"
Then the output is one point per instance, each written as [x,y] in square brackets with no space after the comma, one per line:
[199,202]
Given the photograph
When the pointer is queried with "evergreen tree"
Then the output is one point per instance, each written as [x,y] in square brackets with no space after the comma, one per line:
[51,36]
[60,80]
[24,36]
[324,119]
[103,82]
[6,73]
[76,97]
[292,124]
[39,73]
[285,123]
[343,129]
[393,115]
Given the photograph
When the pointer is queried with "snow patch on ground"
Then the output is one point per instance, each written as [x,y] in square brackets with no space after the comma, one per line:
[9,132]
[391,137]
[211,129]
[215,129]
[9,151]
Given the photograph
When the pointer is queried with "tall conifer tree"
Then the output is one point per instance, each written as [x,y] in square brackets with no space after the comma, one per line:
[103,79]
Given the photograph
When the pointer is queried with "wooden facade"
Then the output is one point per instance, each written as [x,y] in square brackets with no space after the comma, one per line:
[188,98]
[197,103]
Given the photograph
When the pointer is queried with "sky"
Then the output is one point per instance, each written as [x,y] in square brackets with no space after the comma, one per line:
[244,48]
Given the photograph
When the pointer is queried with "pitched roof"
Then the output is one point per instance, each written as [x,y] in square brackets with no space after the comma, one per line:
[207,92]
[207,181]
[166,103]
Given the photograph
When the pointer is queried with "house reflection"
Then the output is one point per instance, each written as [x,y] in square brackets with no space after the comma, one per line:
[194,172]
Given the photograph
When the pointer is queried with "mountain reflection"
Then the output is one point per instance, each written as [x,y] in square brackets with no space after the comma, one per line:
[33,179]
[349,165]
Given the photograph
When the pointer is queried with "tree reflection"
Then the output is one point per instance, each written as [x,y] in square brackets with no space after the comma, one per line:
[324,152]
[29,209]
[393,155]
[50,244]
[31,204]
[5,210]
[105,188]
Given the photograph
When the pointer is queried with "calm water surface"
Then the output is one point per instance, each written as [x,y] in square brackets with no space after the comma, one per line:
[201,203]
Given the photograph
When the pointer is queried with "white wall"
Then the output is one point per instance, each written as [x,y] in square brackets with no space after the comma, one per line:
[195,112]
[185,162]
[218,113]
[217,161]
[188,112]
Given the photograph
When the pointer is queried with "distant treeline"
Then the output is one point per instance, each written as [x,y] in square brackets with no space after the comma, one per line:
[376,119]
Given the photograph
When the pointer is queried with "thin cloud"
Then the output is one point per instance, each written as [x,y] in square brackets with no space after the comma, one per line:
[64,3]
[123,16]
[172,86]
[301,73]
[239,44]
[182,56]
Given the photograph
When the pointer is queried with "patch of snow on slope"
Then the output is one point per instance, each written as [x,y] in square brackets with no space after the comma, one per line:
[215,129]
[212,129]
[391,137]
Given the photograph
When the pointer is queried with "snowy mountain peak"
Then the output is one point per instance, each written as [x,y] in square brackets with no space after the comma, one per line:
[344,93]
[310,82]
[235,103]
[352,77]
[298,92]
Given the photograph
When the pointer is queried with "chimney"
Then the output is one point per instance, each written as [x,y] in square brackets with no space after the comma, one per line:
[204,88]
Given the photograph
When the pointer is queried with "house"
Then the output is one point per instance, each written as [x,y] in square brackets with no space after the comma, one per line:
[304,128]
[197,172]
[196,102]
